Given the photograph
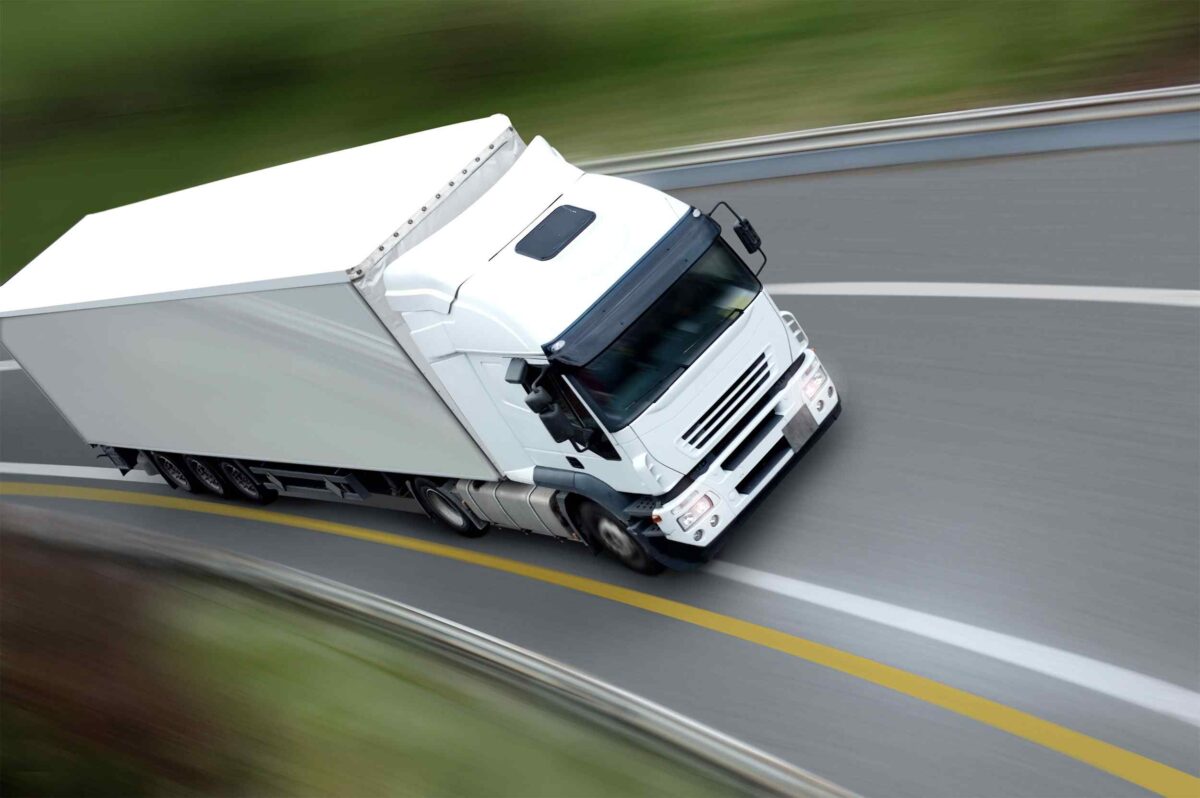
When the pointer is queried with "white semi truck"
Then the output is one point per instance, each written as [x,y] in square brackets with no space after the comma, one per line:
[451,317]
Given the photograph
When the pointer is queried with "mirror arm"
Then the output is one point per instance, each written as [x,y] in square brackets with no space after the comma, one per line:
[727,205]
[762,265]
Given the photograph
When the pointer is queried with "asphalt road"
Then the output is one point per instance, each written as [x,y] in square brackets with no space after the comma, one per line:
[1026,467]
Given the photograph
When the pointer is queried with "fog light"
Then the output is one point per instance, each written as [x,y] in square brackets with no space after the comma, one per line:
[820,404]
[813,383]
[699,534]
[829,392]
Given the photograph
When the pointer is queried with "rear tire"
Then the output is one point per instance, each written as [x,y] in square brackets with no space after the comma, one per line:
[206,473]
[614,536]
[244,484]
[173,470]
[442,507]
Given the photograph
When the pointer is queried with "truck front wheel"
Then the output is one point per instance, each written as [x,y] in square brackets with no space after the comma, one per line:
[442,507]
[615,538]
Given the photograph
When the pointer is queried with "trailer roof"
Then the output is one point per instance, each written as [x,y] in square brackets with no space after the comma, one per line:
[301,223]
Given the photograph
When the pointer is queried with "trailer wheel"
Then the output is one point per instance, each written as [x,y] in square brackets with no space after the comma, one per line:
[207,475]
[175,472]
[439,505]
[245,485]
[616,540]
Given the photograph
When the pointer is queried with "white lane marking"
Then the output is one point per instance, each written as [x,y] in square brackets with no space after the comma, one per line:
[1182,298]
[76,472]
[9,365]
[1126,685]
[1144,691]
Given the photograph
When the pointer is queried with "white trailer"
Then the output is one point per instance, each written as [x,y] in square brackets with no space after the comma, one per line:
[450,317]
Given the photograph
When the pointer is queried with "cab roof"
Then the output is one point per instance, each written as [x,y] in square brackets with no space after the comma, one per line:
[504,300]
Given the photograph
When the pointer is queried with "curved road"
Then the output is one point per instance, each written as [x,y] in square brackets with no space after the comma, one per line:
[1008,507]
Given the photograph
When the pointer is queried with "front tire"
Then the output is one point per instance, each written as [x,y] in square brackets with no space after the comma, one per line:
[615,538]
[440,505]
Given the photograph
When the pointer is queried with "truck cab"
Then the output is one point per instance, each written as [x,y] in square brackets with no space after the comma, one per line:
[608,342]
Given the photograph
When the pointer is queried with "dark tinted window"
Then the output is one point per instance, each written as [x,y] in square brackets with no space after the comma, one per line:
[554,232]
[651,353]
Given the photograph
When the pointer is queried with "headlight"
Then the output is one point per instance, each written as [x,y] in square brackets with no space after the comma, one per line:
[694,512]
[814,381]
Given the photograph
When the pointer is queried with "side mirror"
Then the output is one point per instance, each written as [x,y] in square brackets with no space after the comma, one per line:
[561,425]
[539,400]
[749,237]
[557,423]
[746,233]
[519,372]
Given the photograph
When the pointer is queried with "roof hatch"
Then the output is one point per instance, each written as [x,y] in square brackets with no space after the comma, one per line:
[551,236]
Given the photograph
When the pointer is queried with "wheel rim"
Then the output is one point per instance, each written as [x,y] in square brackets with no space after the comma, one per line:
[173,472]
[442,507]
[616,539]
[207,476]
[240,480]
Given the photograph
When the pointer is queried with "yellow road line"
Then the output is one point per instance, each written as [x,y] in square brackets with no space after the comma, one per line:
[1127,765]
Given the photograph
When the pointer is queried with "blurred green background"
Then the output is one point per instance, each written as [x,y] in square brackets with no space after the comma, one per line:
[105,103]
[124,677]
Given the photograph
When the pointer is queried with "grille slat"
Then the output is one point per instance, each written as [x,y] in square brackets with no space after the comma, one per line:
[751,482]
[727,405]
[715,421]
[733,408]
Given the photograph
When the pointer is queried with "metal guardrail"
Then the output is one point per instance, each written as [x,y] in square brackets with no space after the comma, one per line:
[757,769]
[983,120]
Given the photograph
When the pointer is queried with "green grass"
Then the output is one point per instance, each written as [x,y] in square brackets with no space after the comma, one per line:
[104,103]
[236,693]
[320,708]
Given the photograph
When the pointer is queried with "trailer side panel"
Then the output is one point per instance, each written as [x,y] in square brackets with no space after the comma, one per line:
[298,375]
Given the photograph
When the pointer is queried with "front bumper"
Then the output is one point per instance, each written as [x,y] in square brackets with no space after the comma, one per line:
[736,478]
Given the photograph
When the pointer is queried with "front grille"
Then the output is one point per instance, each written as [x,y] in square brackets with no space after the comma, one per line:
[752,441]
[727,406]
[752,481]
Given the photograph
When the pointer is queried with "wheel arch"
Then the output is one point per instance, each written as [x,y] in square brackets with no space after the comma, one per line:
[587,486]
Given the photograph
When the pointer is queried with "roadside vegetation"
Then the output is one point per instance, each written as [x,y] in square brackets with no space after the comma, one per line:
[122,680]
[103,103]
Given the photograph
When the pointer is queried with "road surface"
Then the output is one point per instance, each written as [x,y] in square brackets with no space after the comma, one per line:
[1008,505]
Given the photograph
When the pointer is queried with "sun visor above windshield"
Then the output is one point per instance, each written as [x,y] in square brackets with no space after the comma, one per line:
[636,291]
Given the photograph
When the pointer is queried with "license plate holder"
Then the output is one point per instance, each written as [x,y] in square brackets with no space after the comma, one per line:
[800,429]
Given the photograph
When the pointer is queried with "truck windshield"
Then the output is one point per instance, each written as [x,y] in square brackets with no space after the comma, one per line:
[637,367]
